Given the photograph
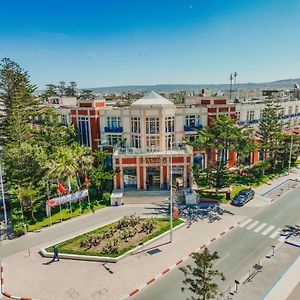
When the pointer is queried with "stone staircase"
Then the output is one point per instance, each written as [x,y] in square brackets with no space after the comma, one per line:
[142,196]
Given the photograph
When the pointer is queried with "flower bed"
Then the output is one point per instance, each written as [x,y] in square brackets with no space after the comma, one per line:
[116,238]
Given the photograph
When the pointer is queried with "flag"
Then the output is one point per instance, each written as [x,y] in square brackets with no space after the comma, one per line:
[61,188]
[86,180]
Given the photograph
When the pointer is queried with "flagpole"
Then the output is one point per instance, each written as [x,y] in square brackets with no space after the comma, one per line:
[86,182]
[60,213]
[50,216]
[59,204]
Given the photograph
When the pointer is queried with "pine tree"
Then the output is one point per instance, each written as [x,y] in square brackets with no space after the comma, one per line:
[199,279]
[270,130]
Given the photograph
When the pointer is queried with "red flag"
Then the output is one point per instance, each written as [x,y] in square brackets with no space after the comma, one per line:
[86,180]
[61,188]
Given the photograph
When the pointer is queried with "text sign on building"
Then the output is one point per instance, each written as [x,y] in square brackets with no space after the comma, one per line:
[67,198]
[155,160]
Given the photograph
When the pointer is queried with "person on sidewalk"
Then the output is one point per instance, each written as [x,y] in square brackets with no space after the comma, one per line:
[55,251]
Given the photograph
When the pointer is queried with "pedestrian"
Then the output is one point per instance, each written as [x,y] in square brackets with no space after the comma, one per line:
[55,251]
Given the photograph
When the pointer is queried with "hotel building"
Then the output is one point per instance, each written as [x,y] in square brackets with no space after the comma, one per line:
[146,138]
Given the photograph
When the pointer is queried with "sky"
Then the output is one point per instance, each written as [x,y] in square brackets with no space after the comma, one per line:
[135,42]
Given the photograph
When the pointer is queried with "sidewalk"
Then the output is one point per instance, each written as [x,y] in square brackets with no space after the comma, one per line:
[26,275]
[277,279]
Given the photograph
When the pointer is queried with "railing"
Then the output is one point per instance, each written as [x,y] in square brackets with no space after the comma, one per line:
[113,129]
[192,127]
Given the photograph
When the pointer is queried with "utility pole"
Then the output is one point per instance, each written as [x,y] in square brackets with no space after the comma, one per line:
[235,88]
[230,89]
[3,195]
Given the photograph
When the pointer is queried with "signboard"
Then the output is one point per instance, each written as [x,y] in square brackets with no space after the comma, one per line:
[155,160]
[67,198]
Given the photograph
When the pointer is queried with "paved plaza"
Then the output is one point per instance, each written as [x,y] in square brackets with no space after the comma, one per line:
[26,273]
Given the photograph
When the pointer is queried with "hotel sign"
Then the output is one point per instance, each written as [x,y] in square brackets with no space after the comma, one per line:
[155,160]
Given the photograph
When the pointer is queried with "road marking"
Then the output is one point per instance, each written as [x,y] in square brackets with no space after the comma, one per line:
[259,228]
[222,258]
[252,225]
[282,239]
[270,228]
[245,223]
[274,234]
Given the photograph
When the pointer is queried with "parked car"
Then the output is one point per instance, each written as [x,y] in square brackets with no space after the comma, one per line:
[242,197]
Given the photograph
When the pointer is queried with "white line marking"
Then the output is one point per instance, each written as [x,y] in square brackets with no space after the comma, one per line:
[222,258]
[245,223]
[282,239]
[252,225]
[270,228]
[259,228]
[274,234]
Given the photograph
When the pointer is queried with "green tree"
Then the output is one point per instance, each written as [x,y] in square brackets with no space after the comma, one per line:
[62,88]
[71,89]
[270,130]
[51,91]
[100,175]
[224,135]
[87,94]
[200,279]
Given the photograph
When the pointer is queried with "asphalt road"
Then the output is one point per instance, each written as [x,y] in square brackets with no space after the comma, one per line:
[239,250]
[75,226]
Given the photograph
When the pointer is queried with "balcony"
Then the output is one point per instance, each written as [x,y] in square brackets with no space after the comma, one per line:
[113,129]
[192,127]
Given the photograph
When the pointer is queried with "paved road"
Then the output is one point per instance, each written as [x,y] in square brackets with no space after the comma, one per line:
[74,226]
[238,250]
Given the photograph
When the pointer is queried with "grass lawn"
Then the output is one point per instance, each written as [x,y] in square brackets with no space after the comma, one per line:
[65,214]
[78,246]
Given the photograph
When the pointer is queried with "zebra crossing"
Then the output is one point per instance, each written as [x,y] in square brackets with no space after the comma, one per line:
[265,229]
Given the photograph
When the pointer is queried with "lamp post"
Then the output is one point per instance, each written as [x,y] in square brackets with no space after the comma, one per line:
[171,190]
[2,191]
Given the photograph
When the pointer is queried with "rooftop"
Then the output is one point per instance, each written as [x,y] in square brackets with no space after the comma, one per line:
[153,99]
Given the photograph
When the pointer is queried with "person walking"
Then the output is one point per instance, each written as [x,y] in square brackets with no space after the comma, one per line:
[55,251]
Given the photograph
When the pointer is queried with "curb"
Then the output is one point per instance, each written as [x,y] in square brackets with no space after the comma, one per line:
[178,262]
[6,294]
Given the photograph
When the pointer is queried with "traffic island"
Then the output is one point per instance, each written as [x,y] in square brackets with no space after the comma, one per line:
[113,241]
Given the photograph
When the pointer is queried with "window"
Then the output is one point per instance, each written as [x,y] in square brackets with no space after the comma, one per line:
[64,119]
[114,139]
[169,124]
[290,110]
[169,139]
[136,141]
[152,142]
[84,131]
[296,109]
[261,114]
[238,115]
[135,125]
[250,115]
[113,122]
[192,120]
[152,125]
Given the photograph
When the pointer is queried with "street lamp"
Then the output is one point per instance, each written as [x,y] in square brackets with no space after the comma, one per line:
[273,250]
[2,191]
[171,190]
